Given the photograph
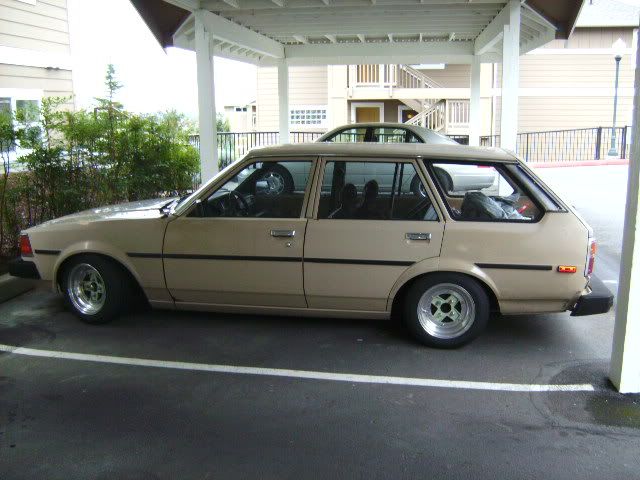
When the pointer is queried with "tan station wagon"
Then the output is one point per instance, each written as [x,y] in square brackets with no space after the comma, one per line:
[349,237]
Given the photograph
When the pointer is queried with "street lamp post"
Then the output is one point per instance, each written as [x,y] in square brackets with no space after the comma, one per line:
[613,151]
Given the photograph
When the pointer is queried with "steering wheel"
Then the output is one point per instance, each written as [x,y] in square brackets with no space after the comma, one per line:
[238,204]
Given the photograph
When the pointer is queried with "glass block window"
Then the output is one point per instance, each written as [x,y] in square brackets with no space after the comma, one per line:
[308,115]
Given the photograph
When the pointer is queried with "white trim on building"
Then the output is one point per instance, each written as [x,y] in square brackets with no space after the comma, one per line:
[355,105]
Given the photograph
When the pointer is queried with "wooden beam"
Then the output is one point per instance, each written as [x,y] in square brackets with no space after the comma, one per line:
[383,52]
[361,38]
[493,32]
[301,39]
[222,29]
[332,38]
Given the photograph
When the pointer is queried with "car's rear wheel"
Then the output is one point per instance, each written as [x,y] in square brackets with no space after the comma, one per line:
[446,310]
[95,288]
[278,179]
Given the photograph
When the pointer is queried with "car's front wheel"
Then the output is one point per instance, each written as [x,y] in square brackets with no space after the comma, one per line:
[95,288]
[446,310]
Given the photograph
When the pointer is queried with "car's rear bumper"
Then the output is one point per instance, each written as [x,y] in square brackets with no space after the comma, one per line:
[598,300]
[23,269]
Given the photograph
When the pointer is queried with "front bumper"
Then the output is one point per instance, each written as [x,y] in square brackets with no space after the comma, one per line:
[598,300]
[23,269]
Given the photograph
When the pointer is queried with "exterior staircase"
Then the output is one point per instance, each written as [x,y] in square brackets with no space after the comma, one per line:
[432,117]
[431,113]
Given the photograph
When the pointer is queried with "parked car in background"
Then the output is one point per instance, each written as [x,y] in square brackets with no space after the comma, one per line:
[462,178]
[441,261]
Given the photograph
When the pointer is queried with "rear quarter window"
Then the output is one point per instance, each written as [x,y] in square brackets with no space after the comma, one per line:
[484,192]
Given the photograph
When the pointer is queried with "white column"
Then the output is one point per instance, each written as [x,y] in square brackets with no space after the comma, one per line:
[624,370]
[283,101]
[474,102]
[206,102]
[510,77]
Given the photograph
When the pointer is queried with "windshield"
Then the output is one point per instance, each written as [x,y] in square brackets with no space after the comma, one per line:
[182,204]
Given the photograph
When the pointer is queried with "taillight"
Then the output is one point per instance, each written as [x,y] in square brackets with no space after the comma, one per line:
[25,246]
[591,257]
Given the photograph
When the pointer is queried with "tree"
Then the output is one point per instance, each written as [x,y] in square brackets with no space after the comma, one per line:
[111,113]
[8,138]
[222,123]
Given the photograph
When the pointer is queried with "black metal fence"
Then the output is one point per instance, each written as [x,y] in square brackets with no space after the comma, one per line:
[551,146]
[568,145]
[234,145]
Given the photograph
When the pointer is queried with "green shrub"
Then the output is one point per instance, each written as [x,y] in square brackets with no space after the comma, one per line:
[84,159]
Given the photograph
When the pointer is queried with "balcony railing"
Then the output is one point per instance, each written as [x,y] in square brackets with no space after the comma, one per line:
[457,114]
[399,76]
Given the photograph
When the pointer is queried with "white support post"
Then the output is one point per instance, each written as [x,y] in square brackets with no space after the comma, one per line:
[206,102]
[283,101]
[474,103]
[624,370]
[510,77]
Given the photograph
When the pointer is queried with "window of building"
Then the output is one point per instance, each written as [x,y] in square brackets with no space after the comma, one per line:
[484,192]
[308,116]
[27,110]
[373,191]
[5,106]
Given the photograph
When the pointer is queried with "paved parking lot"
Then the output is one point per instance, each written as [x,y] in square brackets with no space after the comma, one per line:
[85,417]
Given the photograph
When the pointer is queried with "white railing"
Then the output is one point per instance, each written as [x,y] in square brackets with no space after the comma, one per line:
[401,76]
[433,117]
[373,75]
[457,113]
[409,77]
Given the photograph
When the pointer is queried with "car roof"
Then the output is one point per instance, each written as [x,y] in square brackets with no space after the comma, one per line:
[410,150]
[374,124]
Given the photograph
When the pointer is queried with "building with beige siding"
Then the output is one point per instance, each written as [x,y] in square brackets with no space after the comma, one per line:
[35,54]
[566,84]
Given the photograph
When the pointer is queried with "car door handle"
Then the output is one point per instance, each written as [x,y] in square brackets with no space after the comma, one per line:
[283,233]
[418,236]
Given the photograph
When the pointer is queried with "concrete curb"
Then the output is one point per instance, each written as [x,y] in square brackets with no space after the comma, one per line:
[11,287]
[581,163]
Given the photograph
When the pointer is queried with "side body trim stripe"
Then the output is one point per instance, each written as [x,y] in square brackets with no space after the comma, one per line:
[514,266]
[342,261]
[47,252]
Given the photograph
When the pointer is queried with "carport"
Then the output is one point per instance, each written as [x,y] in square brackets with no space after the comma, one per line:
[286,33]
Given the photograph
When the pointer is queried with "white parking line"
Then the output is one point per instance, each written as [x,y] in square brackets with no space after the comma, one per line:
[304,374]
[610,281]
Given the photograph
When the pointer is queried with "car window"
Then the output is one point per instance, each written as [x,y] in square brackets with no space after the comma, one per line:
[262,189]
[373,191]
[484,192]
[392,135]
[349,135]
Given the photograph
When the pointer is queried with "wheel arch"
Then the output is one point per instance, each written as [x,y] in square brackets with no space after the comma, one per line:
[119,260]
[401,288]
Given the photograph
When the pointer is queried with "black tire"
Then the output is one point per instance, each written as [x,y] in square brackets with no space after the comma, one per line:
[416,183]
[476,293]
[118,288]
[284,173]
[446,182]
